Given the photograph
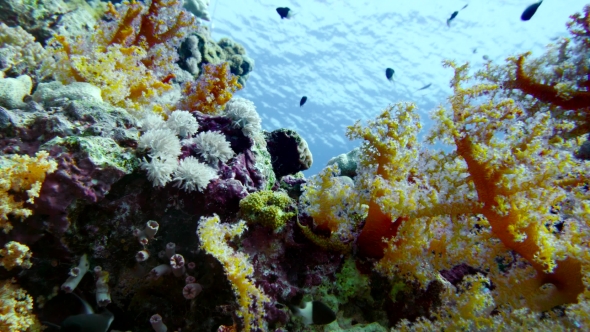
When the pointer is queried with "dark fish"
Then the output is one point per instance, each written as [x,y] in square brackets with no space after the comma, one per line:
[284,12]
[80,316]
[314,313]
[425,87]
[88,322]
[530,11]
[302,101]
[389,73]
[453,15]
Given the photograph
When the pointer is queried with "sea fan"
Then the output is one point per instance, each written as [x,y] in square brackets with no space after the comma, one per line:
[212,146]
[183,123]
[192,175]
[161,143]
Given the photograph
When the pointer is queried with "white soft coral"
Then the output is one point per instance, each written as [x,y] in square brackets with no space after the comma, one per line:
[212,146]
[192,175]
[183,123]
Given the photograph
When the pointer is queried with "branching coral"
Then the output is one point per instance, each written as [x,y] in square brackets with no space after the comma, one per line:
[390,149]
[334,205]
[490,197]
[211,91]
[559,80]
[131,57]
[20,176]
[214,236]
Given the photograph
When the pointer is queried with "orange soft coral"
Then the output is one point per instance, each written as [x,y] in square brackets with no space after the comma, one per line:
[211,91]
[389,145]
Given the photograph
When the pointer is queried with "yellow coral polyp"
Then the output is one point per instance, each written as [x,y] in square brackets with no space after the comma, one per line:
[270,208]
[16,309]
[213,236]
[15,254]
[21,174]
[211,91]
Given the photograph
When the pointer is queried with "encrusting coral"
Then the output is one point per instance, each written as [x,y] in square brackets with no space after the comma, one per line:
[269,208]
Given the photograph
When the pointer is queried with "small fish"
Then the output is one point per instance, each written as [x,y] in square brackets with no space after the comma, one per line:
[474,50]
[530,11]
[314,313]
[485,57]
[389,73]
[285,12]
[425,87]
[302,101]
[453,15]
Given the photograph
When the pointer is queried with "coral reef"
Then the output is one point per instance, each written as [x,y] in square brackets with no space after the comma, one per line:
[131,177]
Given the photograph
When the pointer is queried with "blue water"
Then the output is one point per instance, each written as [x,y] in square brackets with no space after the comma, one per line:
[335,52]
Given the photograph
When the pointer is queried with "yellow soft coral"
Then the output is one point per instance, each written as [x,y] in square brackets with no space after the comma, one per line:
[16,309]
[335,208]
[15,254]
[214,236]
[21,174]
[131,57]
[212,91]
[482,202]
[470,309]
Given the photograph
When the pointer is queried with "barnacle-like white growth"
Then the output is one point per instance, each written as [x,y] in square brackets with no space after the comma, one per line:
[212,146]
[161,143]
[160,170]
[192,175]
[151,121]
[183,123]
[243,114]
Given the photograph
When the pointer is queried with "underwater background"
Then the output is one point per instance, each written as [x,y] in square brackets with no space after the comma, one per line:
[336,52]
[165,166]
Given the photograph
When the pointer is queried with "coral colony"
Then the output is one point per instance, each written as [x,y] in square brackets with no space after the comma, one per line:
[137,194]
